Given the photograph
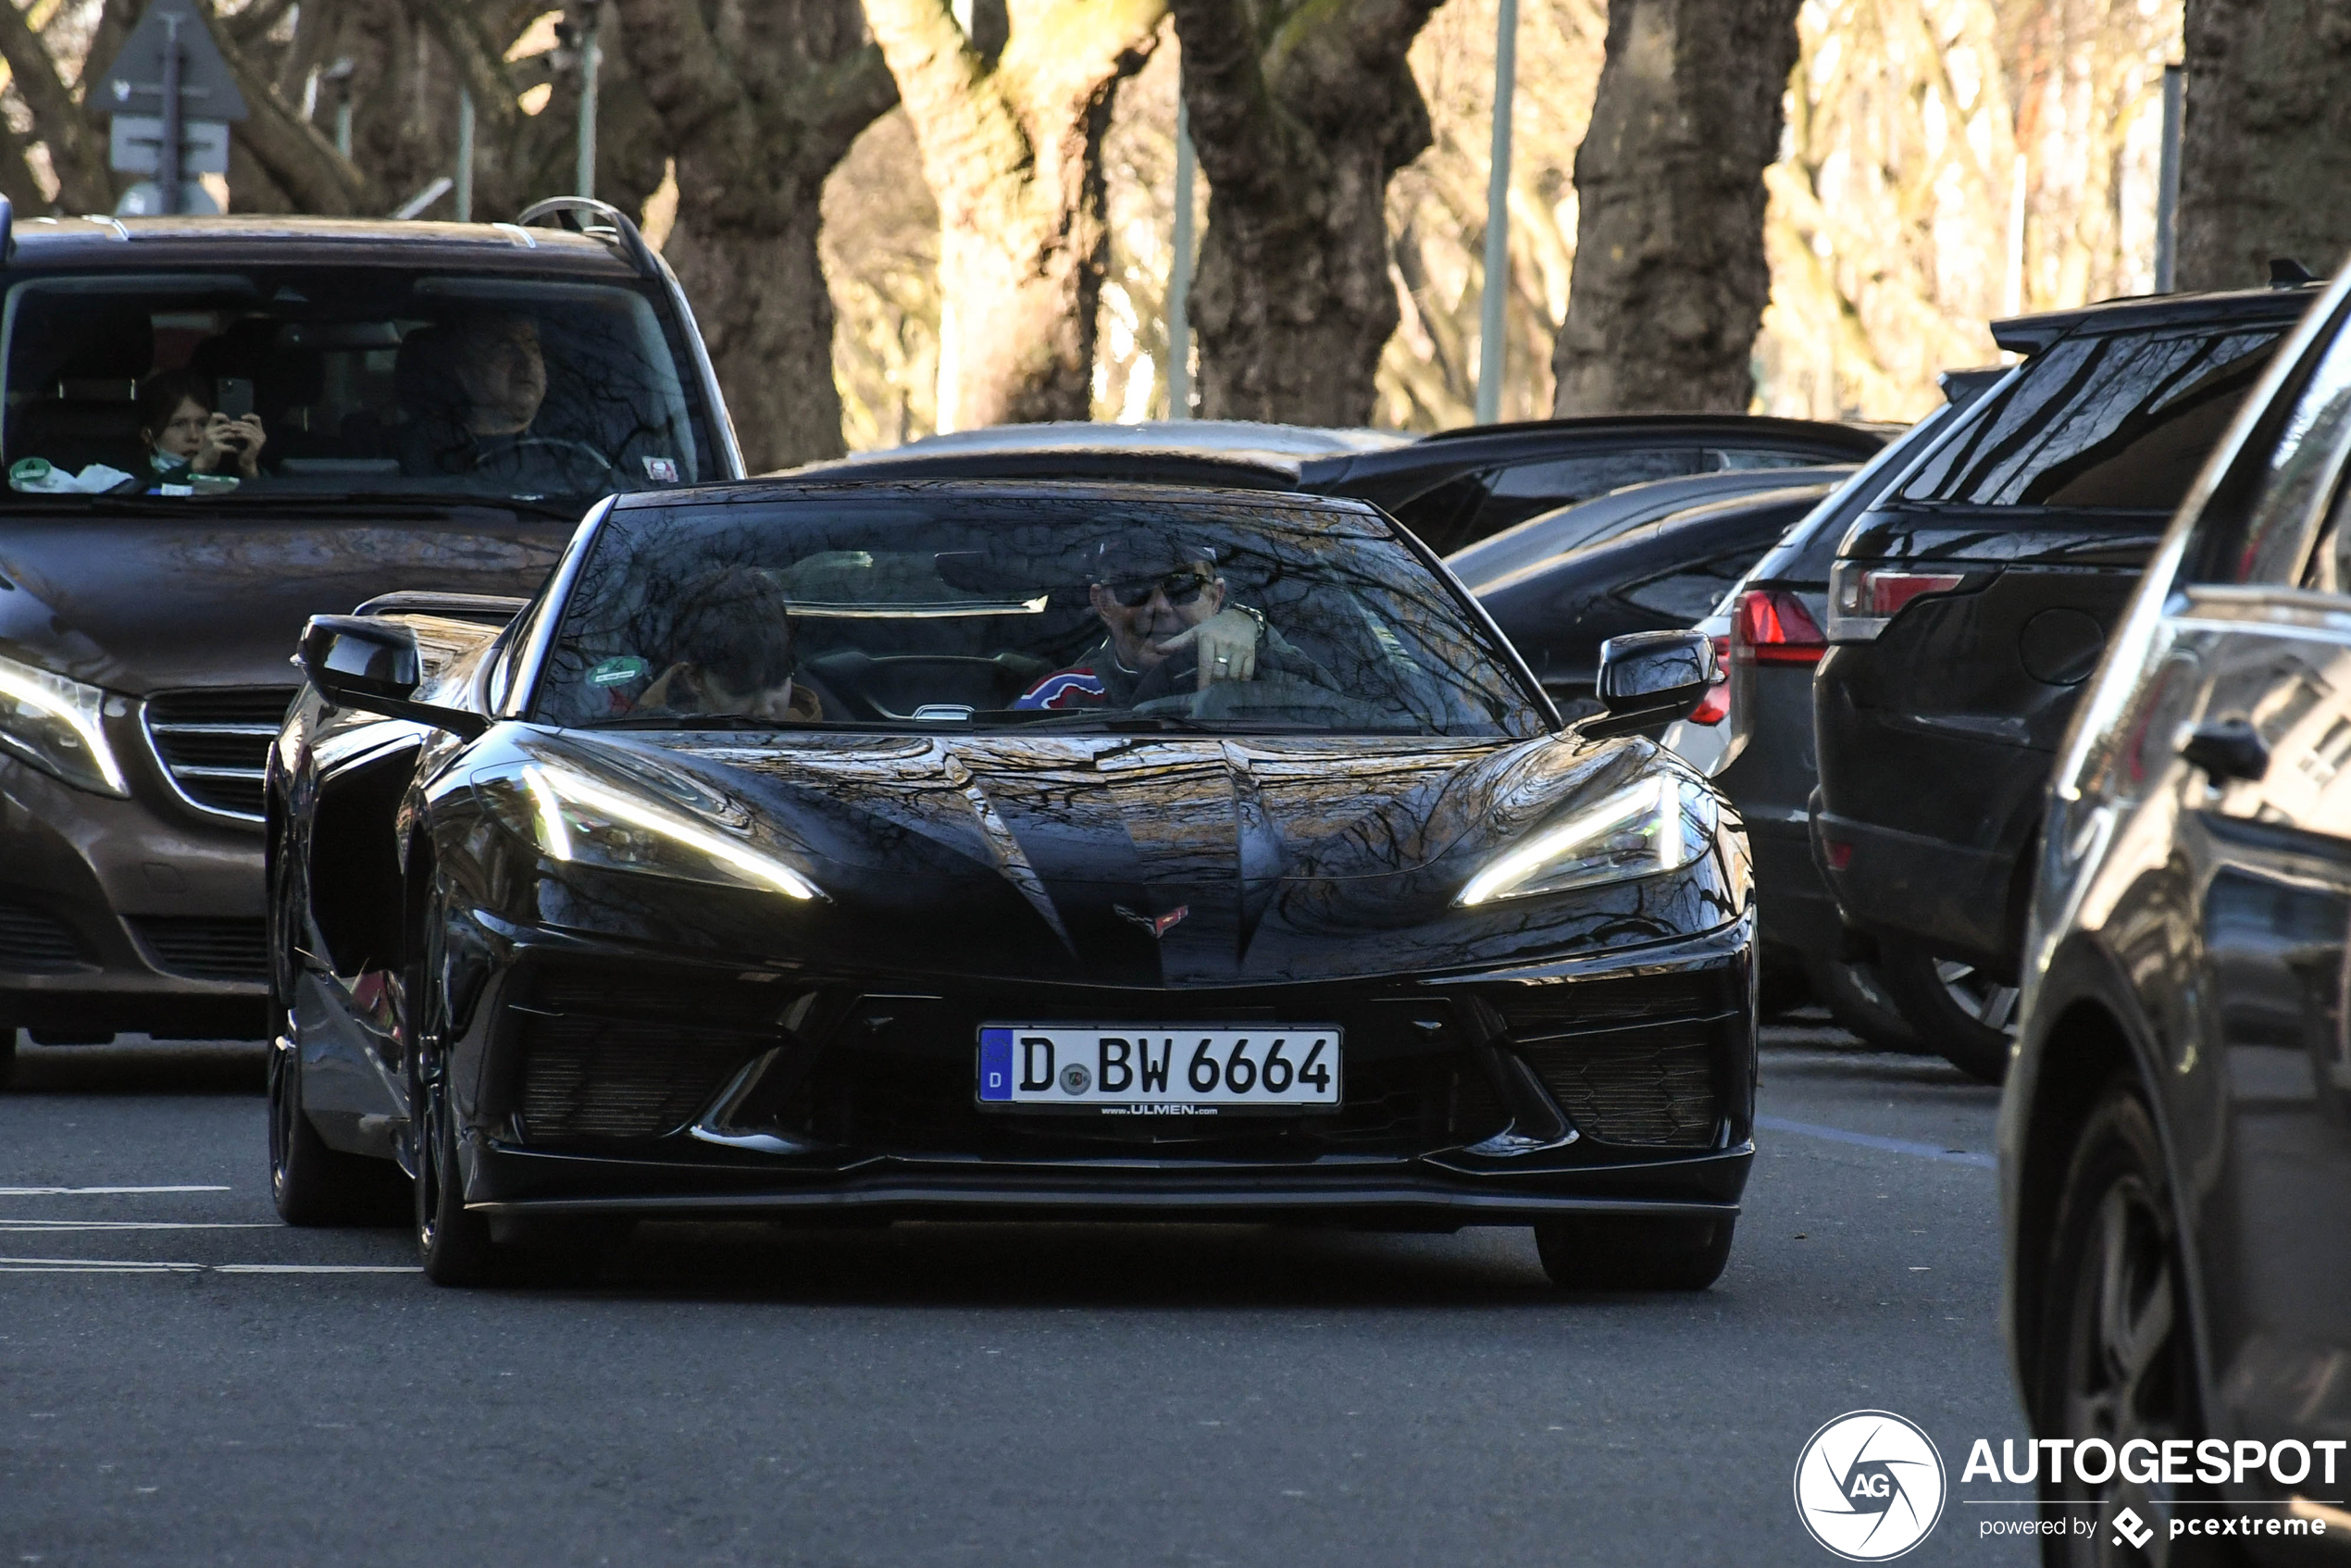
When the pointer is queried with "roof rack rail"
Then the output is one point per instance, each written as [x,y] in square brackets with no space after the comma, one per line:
[575,212]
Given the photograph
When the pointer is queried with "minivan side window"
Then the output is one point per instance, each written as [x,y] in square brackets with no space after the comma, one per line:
[2116,419]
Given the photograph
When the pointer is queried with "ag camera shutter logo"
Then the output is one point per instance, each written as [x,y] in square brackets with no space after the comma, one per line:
[1870,1485]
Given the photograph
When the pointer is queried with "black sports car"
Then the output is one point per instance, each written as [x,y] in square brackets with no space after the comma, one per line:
[1002,849]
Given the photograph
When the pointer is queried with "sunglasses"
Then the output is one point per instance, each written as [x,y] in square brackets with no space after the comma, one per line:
[1181,588]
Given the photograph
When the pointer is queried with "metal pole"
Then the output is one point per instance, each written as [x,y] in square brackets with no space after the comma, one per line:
[1180,275]
[167,153]
[591,57]
[1492,351]
[465,155]
[343,118]
[2167,184]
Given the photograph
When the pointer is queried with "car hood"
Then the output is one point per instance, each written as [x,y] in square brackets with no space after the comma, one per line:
[155,601]
[1162,860]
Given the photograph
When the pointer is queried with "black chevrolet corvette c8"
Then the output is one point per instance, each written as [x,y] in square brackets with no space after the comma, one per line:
[1002,851]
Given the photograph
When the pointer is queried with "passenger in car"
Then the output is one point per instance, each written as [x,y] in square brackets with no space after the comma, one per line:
[185,435]
[733,652]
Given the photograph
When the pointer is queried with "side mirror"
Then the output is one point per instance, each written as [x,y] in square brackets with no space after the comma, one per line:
[361,662]
[1648,679]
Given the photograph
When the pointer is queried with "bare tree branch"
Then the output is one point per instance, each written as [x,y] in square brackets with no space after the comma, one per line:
[299,159]
[76,154]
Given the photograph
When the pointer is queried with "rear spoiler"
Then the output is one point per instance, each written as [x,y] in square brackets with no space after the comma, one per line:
[483,609]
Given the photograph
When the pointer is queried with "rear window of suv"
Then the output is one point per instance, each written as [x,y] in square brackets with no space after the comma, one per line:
[2110,420]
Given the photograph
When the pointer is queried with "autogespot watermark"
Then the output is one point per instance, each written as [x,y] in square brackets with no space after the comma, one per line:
[1871,1485]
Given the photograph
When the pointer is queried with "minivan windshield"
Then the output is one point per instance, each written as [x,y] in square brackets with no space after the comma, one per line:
[344,380]
[1026,608]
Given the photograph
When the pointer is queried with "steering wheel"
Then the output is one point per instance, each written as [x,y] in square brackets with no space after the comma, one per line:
[498,457]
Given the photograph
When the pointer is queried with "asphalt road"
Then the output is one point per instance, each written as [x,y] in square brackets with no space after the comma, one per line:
[183,1381]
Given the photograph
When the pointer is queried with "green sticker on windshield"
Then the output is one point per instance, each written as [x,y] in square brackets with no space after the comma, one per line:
[618,672]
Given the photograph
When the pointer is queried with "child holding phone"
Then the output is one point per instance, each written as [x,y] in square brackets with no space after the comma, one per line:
[186,434]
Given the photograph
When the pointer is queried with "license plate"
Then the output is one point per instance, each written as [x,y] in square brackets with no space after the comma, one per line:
[1160,1071]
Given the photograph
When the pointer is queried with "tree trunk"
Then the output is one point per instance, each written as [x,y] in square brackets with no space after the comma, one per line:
[759,104]
[2264,166]
[1669,278]
[1300,112]
[1011,124]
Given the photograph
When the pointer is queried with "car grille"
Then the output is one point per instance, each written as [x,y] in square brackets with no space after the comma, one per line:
[214,744]
[35,943]
[1635,1060]
[205,947]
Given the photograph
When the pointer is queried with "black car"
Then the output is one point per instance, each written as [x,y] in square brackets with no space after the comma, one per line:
[820,851]
[1663,573]
[1967,608]
[1457,486]
[146,609]
[1451,489]
[2175,1138]
[1754,737]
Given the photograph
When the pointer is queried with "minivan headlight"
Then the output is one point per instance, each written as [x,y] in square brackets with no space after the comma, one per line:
[59,726]
[1654,825]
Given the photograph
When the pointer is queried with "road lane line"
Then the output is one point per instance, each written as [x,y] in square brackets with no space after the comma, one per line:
[1884,1145]
[133,1266]
[94,1191]
[13,1226]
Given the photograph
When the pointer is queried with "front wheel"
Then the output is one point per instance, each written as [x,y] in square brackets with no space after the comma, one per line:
[1964,1014]
[2115,1361]
[310,1183]
[1631,1252]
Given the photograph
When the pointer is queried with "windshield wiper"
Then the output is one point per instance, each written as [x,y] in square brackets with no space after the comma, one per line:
[1116,723]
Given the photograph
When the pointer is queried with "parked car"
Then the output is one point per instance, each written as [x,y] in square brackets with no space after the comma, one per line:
[1755,735]
[938,896]
[1661,573]
[2175,1138]
[1451,488]
[1967,608]
[440,404]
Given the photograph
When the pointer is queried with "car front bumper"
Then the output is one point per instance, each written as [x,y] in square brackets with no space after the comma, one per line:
[1619,1084]
[126,915]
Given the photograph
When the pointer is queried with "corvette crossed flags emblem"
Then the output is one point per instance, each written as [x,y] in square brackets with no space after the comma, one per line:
[1156,924]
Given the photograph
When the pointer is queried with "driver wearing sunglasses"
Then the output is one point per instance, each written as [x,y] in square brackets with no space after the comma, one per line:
[1168,624]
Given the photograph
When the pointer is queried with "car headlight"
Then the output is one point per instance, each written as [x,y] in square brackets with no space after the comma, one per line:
[585,821]
[59,726]
[1655,824]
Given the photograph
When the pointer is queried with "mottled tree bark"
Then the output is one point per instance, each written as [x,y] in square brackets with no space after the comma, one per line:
[1669,278]
[758,104]
[1011,124]
[1301,109]
[2264,167]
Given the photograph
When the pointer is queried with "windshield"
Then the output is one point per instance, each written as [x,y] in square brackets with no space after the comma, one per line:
[343,381]
[1073,613]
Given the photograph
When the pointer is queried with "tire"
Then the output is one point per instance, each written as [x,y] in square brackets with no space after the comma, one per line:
[1964,1016]
[1630,1253]
[1855,994]
[311,1183]
[2116,1359]
[453,1244]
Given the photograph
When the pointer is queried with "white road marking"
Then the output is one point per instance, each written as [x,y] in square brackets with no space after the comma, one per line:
[94,1191]
[128,1265]
[14,1226]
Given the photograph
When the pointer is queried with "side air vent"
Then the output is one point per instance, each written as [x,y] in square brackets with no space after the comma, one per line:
[206,947]
[32,942]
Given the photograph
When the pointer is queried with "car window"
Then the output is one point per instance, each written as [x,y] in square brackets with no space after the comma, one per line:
[1687,594]
[2113,419]
[997,611]
[1523,490]
[356,379]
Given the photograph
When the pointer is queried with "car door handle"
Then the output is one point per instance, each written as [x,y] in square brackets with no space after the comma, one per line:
[2227,748]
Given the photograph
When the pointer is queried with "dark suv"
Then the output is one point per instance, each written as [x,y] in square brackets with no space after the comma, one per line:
[2175,1140]
[439,402]
[1968,606]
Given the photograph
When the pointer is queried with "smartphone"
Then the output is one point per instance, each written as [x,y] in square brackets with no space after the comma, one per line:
[236,396]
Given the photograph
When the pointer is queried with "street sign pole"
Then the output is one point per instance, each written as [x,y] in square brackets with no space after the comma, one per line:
[167,150]
[591,58]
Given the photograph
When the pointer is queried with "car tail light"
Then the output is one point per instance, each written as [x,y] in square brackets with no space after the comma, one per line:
[1775,628]
[1838,853]
[1717,706]
[1864,598]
